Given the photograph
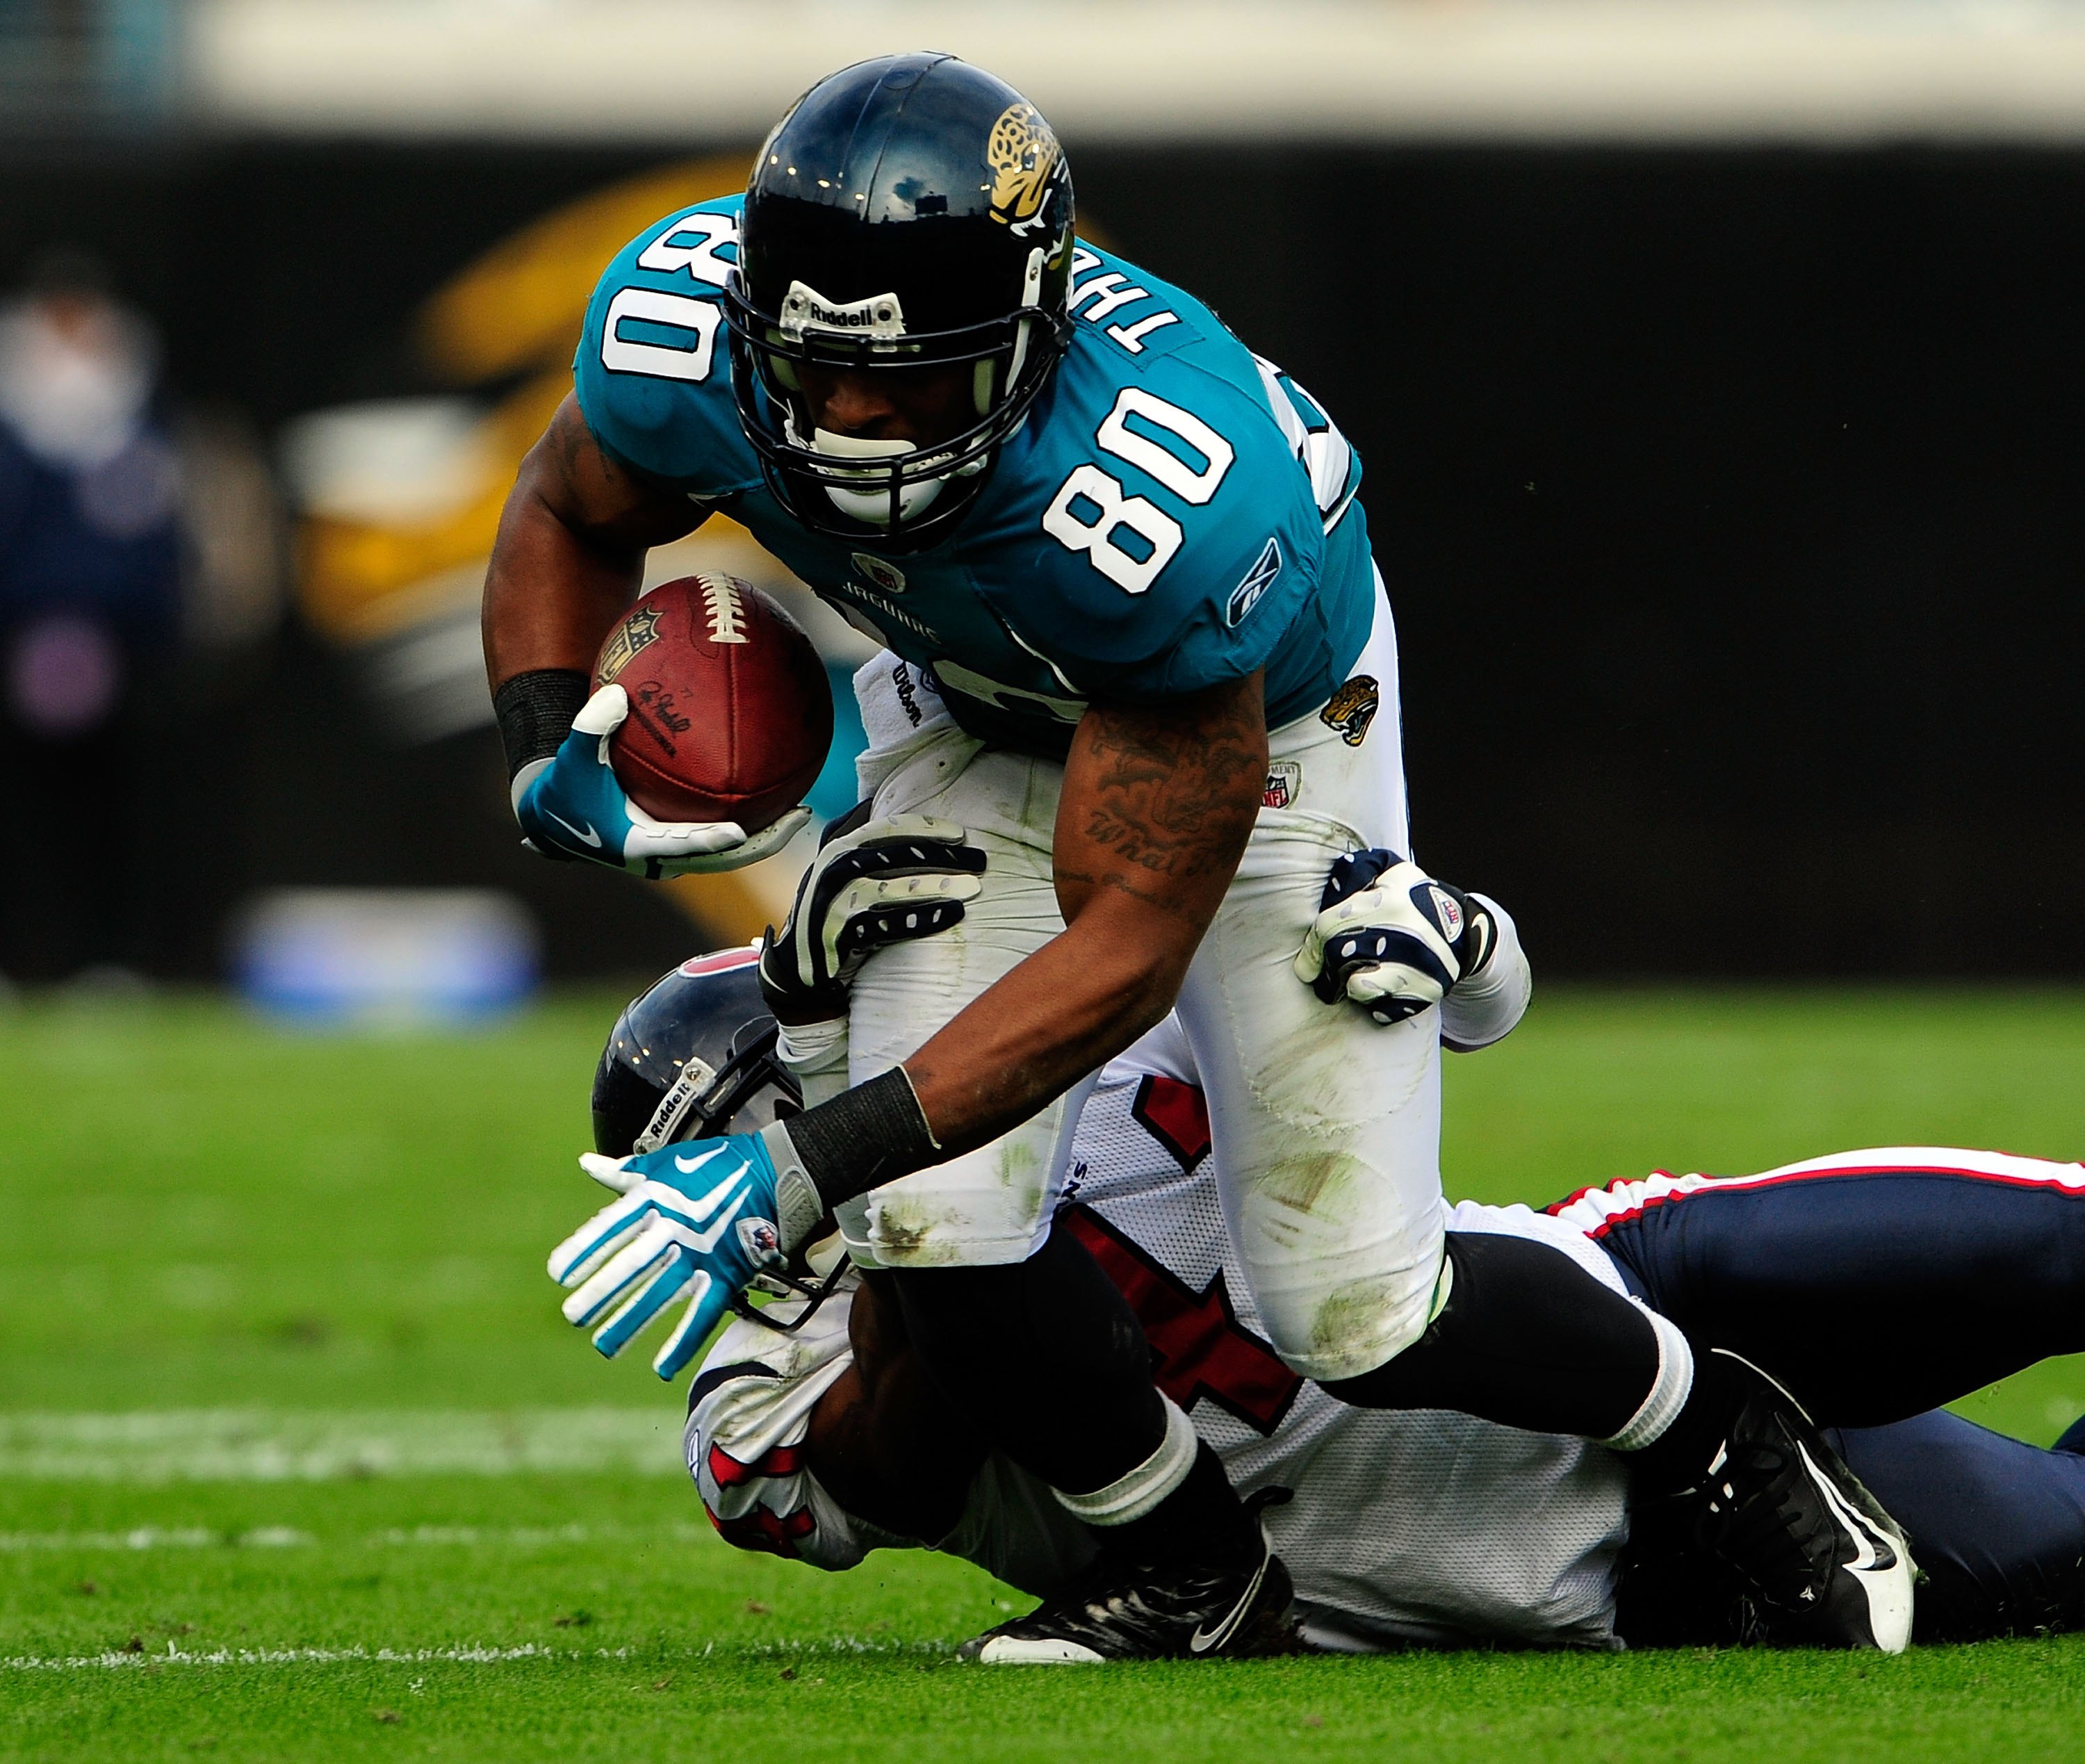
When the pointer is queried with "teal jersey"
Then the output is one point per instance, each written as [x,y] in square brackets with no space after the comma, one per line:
[1175,512]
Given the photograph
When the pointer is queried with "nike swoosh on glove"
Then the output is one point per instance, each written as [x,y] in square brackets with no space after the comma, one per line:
[570,806]
[1390,938]
[695,1218]
[882,883]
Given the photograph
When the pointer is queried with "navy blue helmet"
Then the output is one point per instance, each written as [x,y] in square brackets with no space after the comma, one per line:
[690,1056]
[910,211]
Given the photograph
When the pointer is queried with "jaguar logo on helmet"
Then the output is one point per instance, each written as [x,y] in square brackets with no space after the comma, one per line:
[1022,152]
[1352,708]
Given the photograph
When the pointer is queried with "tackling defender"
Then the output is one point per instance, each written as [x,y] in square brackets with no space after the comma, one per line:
[1129,556]
[812,1432]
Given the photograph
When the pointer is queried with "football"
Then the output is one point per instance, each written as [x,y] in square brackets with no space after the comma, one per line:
[731,714]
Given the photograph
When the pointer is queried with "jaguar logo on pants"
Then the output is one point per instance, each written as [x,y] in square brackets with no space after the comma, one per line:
[1352,708]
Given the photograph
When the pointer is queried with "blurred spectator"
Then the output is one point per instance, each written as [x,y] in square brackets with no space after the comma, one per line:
[90,615]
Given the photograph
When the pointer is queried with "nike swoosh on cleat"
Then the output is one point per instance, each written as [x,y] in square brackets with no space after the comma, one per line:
[1203,1640]
[1880,1570]
[585,836]
[1870,1558]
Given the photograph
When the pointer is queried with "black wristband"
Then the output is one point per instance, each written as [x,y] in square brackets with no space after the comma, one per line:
[864,1137]
[535,711]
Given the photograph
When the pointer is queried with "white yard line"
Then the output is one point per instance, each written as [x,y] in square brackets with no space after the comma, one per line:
[255,1445]
[537,1537]
[397,1536]
[119,1660]
[154,1537]
[175,1656]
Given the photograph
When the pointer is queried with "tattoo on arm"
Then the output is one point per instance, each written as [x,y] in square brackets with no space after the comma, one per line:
[1168,796]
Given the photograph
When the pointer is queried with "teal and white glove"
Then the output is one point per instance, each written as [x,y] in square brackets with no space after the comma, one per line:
[695,1219]
[570,806]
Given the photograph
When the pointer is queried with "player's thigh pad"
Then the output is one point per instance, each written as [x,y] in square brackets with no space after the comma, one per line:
[1325,1124]
[993,1205]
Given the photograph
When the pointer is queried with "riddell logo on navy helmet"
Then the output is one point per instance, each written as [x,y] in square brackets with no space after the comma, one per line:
[804,309]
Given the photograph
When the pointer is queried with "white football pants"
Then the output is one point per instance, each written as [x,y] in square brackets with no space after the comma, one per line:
[1327,1125]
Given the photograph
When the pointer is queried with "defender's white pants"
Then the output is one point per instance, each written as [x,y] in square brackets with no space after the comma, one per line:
[1327,1125]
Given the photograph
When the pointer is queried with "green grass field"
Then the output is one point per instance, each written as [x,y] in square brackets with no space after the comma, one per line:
[297,1460]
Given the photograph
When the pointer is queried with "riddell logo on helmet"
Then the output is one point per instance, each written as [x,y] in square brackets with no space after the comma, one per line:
[804,309]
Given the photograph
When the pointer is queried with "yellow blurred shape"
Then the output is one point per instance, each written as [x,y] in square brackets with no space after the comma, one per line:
[356,574]
[524,300]
[519,306]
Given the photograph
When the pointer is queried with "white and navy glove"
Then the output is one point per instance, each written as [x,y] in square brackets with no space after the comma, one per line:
[570,806]
[872,885]
[1395,942]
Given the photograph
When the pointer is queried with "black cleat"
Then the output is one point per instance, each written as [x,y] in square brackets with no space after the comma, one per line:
[1826,1567]
[1117,1612]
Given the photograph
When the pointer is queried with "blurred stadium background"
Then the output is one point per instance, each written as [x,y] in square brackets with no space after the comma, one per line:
[1718,368]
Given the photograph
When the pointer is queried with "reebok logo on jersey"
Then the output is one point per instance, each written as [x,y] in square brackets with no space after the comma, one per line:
[1258,580]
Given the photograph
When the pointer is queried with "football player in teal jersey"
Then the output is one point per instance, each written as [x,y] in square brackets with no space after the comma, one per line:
[1139,657]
